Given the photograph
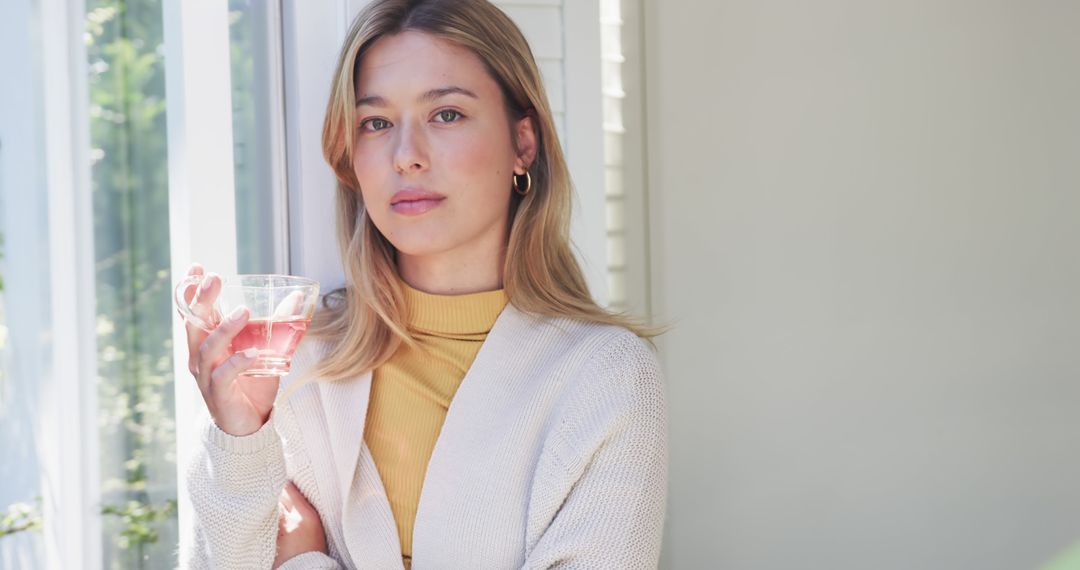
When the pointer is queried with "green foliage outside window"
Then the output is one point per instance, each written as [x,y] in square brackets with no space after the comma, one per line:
[126,84]
[134,307]
[21,517]
[131,244]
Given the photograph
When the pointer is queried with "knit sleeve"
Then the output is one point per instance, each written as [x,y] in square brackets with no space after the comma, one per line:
[610,497]
[234,484]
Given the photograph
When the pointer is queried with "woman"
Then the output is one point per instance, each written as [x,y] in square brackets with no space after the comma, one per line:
[462,402]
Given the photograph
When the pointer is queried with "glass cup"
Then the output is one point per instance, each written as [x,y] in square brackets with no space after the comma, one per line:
[280,309]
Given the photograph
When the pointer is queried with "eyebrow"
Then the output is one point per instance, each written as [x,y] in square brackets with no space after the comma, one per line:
[432,95]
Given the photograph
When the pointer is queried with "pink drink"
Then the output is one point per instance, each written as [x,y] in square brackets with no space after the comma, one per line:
[276,340]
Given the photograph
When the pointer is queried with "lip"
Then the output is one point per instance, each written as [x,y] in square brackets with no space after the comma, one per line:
[415,201]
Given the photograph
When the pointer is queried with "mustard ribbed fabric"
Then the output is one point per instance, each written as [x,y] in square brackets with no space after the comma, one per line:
[411,392]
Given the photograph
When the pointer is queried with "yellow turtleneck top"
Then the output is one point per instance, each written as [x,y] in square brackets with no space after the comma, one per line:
[411,392]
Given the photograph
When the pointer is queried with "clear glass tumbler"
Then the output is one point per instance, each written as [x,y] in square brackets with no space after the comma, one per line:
[281,307]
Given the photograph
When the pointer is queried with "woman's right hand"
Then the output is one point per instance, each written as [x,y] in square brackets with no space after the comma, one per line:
[239,405]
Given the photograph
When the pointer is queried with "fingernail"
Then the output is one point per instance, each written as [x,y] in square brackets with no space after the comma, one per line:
[251,353]
[236,314]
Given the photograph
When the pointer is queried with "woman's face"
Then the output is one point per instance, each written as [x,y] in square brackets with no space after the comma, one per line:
[433,152]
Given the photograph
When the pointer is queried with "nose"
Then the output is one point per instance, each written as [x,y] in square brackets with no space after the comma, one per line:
[411,155]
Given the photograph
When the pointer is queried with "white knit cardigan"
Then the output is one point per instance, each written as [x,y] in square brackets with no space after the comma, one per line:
[553,455]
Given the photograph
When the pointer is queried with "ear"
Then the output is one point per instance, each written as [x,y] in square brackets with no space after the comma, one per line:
[525,136]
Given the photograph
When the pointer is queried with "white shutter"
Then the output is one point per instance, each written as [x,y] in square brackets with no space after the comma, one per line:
[565,39]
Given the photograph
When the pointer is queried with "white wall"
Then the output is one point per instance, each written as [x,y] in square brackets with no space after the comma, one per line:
[866,226]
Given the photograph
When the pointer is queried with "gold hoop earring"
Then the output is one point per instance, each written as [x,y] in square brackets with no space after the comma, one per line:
[528,184]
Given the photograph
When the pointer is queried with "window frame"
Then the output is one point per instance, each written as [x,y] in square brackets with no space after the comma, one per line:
[202,204]
[69,410]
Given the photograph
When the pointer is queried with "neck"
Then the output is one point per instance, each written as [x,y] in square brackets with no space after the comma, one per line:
[453,272]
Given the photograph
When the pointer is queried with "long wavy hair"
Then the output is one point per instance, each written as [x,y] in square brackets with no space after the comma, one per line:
[366,321]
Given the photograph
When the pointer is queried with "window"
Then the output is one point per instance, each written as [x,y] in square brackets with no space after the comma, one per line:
[23,302]
[88,113]
[258,136]
[129,169]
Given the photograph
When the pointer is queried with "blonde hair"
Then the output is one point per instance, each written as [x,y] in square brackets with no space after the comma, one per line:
[366,321]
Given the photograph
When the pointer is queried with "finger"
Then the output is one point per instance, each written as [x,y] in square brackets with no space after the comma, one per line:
[231,368]
[299,501]
[289,518]
[214,349]
[189,291]
[287,495]
[205,296]
[290,305]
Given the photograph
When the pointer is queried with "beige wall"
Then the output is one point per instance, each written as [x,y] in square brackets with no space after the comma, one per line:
[865,221]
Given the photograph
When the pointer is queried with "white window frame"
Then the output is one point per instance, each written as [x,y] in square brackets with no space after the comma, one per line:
[73,538]
[312,34]
[202,208]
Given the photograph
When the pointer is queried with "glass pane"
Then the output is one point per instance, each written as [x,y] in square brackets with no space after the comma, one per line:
[25,306]
[131,233]
[252,37]
[20,492]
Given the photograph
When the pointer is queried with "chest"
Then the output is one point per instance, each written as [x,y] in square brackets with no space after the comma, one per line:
[474,508]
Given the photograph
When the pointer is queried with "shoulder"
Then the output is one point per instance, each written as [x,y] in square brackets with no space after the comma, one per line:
[600,353]
[620,371]
[616,401]
[604,349]
[578,339]
[611,379]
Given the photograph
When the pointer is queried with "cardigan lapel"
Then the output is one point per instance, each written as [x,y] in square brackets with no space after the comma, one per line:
[370,533]
[346,403]
[491,370]
[367,520]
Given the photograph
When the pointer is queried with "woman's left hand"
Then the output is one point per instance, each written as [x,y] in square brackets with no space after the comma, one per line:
[300,529]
